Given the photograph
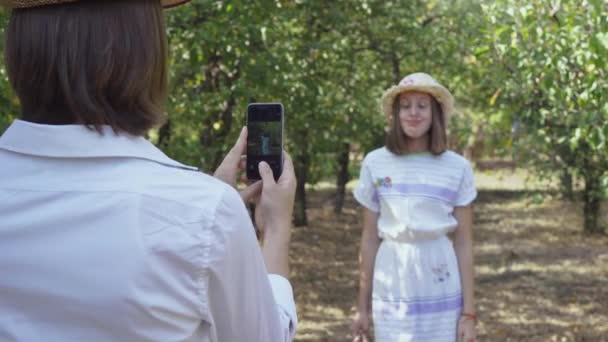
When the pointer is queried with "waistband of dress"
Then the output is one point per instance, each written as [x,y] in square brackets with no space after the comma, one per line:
[418,238]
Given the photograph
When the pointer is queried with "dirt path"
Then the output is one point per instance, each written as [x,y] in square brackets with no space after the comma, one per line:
[538,277]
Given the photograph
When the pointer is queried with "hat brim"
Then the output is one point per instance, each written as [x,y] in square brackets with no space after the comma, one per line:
[441,94]
[36,3]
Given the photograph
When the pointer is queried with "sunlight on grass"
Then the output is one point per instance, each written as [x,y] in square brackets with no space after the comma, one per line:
[569,268]
[322,329]
[516,180]
[489,248]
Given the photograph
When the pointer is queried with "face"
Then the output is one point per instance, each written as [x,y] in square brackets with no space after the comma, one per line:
[415,114]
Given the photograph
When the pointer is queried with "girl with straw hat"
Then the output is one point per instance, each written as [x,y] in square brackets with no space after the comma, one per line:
[104,237]
[416,284]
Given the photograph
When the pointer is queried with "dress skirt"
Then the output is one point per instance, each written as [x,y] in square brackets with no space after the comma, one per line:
[416,291]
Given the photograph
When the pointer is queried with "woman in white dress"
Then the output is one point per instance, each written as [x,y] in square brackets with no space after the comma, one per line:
[415,283]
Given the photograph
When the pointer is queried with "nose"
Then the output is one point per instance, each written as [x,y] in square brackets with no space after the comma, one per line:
[414,111]
[411,112]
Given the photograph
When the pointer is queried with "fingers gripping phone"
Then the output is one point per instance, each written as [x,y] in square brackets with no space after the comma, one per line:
[265,123]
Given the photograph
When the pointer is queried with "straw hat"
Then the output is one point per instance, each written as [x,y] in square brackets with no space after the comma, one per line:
[36,3]
[423,83]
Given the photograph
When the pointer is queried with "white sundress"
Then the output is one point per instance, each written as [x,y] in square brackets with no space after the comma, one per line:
[416,292]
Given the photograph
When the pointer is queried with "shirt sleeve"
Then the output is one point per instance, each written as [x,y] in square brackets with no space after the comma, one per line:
[245,302]
[466,191]
[365,192]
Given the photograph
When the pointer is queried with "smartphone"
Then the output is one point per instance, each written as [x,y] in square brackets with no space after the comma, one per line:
[265,124]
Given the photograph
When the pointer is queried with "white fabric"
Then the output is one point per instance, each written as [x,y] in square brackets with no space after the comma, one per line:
[104,238]
[415,194]
[416,293]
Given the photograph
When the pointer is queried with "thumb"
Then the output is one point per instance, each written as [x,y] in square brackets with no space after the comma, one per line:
[251,191]
[266,173]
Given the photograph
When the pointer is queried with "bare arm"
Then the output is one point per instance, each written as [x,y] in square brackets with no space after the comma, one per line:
[234,303]
[369,247]
[463,246]
[273,215]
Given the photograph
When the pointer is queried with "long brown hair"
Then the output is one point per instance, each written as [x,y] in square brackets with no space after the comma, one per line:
[396,140]
[94,62]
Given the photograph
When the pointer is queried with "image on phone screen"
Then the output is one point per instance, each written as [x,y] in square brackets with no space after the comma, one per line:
[265,138]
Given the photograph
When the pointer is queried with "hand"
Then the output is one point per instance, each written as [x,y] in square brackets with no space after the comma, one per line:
[235,162]
[466,330]
[274,207]
[361,325]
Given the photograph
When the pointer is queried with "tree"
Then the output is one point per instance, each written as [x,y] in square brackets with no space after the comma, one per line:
[9,104]
[553,78]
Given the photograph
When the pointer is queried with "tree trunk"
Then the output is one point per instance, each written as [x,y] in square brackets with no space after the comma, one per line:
[300,217]
[343,177]
[591,203]
[396,68]
[567,185]
[211,140]
[566,160]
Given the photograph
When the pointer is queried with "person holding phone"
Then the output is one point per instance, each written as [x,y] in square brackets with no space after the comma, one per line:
[102,236]
[416,284]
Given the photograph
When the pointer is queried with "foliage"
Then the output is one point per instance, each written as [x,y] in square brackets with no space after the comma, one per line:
[9,105]
[529,77]
[551,73]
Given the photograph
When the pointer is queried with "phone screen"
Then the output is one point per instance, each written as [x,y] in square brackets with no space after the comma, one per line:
[264,138]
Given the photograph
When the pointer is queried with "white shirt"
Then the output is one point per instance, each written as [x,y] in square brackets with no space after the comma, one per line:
[104,238]
[415,194]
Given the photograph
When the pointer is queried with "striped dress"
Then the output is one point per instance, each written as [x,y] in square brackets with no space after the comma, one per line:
[416,286]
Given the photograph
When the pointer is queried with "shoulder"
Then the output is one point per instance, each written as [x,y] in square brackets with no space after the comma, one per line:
[377,155]
[455,160]
[201,204]
[216,203]
[188,188]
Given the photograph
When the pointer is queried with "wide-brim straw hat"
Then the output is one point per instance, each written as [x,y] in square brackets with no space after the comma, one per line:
[37,3]
[423,83]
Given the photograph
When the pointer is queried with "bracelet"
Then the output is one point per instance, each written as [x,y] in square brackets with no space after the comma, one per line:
[469,316]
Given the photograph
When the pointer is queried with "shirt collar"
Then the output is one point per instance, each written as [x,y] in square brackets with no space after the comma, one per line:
[77,141]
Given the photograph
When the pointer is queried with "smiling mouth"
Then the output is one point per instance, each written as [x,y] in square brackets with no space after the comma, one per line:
[413,123]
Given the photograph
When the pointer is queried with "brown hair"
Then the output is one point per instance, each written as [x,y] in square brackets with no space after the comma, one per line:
[396,140]
[94,62]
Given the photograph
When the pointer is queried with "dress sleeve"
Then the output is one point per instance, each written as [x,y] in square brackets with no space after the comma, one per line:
[365,192]
[245,302]
[466,191]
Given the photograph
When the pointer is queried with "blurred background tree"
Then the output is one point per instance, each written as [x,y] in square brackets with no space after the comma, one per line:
[549,71]
[529,77]
[9,105]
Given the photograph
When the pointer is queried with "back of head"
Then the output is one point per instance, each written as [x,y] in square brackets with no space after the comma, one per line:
[93,62]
